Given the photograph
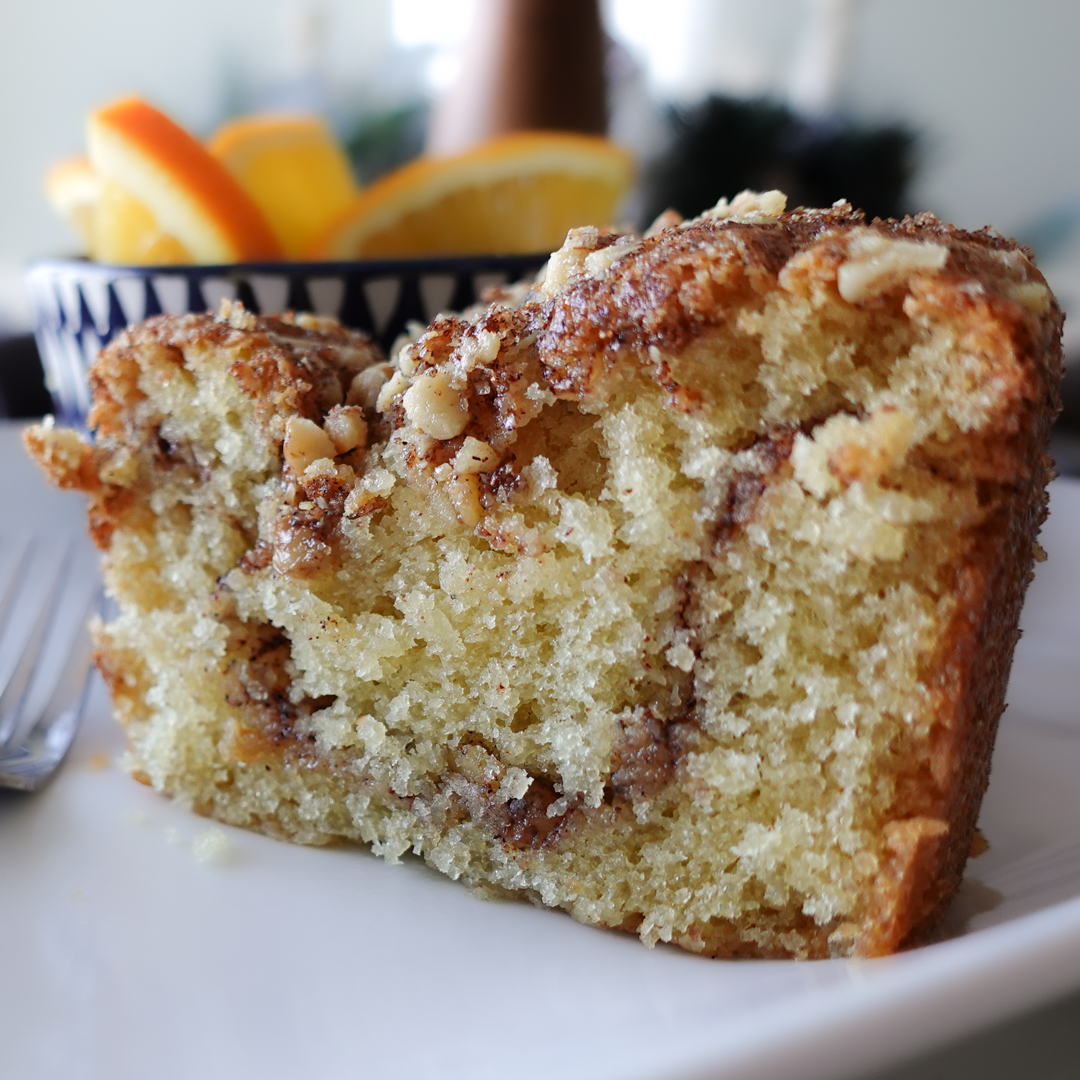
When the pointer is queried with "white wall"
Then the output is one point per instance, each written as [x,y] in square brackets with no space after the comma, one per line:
[992,85]
[995,86]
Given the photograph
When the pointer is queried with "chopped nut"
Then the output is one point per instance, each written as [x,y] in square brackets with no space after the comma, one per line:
[321,466]
[475,456]
[749,206]
[320,323]
[1032,295]
[365,386]
[598,263]
[346,427]
[407,360]
[464,494]
[539,395]
[305,443]
[566,263]
[876,263]
[435,407]
[390,390]
[481,348]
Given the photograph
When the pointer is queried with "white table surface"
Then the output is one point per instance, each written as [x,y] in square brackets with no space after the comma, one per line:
[126,956]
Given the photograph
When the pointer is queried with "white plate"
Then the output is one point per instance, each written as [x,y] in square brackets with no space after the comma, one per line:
[125,956]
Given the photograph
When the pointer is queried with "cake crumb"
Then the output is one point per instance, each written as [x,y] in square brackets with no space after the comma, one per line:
[212,846]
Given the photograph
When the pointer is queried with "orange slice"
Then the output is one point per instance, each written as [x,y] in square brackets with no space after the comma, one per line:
[115,228]
[293,168]
[73,190]
[124,232]
[516,193]
[194,208]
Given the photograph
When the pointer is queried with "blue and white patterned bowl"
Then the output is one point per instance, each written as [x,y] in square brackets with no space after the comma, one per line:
[80,306]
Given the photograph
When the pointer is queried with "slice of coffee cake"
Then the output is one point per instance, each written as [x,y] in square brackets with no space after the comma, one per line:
[680,593]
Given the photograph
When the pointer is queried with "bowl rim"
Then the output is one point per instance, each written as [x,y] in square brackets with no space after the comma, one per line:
[341,267]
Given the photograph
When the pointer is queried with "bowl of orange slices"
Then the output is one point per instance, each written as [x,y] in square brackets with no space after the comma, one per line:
[267,212]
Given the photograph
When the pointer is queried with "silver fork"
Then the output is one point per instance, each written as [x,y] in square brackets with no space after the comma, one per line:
[45,655]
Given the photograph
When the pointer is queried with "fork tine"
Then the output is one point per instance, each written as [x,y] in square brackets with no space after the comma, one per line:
[47,741]
[11,586]
[14,695]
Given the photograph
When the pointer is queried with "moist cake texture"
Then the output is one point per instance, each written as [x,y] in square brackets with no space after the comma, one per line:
[679,591]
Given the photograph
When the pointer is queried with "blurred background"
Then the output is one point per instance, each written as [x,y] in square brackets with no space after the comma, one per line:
[962,107]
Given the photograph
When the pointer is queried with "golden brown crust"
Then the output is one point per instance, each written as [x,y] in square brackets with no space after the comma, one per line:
[971,677]
[970,674]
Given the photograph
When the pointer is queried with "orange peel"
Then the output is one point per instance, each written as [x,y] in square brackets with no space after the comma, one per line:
[190,198]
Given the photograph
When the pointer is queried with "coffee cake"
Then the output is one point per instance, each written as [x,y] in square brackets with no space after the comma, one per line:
[678,591]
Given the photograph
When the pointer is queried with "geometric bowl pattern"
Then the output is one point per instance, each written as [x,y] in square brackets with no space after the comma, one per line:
[80,306]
